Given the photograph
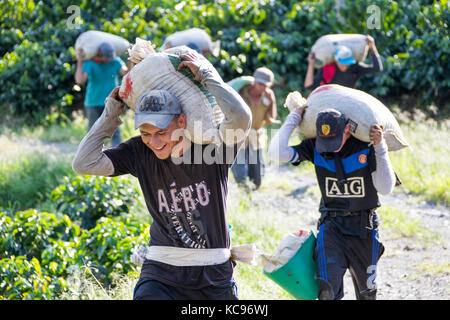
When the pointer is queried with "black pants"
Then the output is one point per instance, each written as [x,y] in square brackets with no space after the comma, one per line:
[249,163]
[337,251]
[149,289]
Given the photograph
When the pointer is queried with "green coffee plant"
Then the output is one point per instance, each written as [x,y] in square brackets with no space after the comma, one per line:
[108,247]
[23,279]
[40,250]
[88,198]
[28,233]
[58,257]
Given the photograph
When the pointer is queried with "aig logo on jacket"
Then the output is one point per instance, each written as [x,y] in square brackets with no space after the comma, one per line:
[354,188]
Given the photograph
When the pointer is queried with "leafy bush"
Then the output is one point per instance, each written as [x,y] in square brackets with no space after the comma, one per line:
[59,256]
[24,279]
[38,250]
[28,233]
[34,254]
[89,198]
[37,66]
[107,248]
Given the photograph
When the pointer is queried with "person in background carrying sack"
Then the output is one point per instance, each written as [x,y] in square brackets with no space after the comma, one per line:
[194,38]
[101,73]
[350,174]
[261,99]
[188,256]
[344,70]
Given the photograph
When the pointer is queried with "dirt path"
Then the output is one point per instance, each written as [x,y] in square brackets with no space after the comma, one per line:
[410,268]
[414,268]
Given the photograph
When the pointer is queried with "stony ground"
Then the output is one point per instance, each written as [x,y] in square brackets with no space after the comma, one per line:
[411,268]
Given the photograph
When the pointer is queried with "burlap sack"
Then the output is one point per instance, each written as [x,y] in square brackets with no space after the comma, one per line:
[361,108]
[159,71]
[238,83]
[140,50]
[91,40]
[325,47]
[197,36]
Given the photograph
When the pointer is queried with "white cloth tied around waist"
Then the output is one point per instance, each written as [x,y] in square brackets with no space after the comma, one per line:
[184,257]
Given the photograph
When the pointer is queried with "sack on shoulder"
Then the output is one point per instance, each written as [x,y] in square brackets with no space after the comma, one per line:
[362,109]
[325,47]
[238,83]
[91,40]
[158,70]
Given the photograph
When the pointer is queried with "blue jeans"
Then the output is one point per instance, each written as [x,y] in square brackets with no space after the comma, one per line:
[249,163]
[93,113]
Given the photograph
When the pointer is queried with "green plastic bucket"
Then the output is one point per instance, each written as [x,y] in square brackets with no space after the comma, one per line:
[298,275]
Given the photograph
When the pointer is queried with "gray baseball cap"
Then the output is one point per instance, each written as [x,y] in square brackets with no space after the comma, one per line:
[156,107]
[107,51]
[264,76]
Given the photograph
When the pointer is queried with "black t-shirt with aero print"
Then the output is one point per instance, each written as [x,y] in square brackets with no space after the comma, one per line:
[187,202]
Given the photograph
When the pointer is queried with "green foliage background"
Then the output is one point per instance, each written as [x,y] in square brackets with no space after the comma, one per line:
[37,56]
[39,250]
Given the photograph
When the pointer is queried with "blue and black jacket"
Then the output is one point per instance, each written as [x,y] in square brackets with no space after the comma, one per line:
[345,178]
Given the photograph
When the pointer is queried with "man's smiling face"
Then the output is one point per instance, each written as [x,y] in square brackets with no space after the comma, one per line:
[160,140]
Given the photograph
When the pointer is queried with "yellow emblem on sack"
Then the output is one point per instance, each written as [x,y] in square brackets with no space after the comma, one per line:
[325,129]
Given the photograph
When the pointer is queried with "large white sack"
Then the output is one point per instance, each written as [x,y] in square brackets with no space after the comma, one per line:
[238,83]
[91,40]
[197,36]
[325,47]
[360,107]
[140,50]
[159,71]
[285,251]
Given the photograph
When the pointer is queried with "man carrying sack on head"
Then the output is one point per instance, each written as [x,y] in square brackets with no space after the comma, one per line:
[101,73]
[261,100]
[345,70]
[188,255]
[350,174]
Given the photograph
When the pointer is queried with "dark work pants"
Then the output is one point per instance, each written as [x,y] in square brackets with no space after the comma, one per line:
[249,163]
[92,114]
[149,289]
[336,252]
